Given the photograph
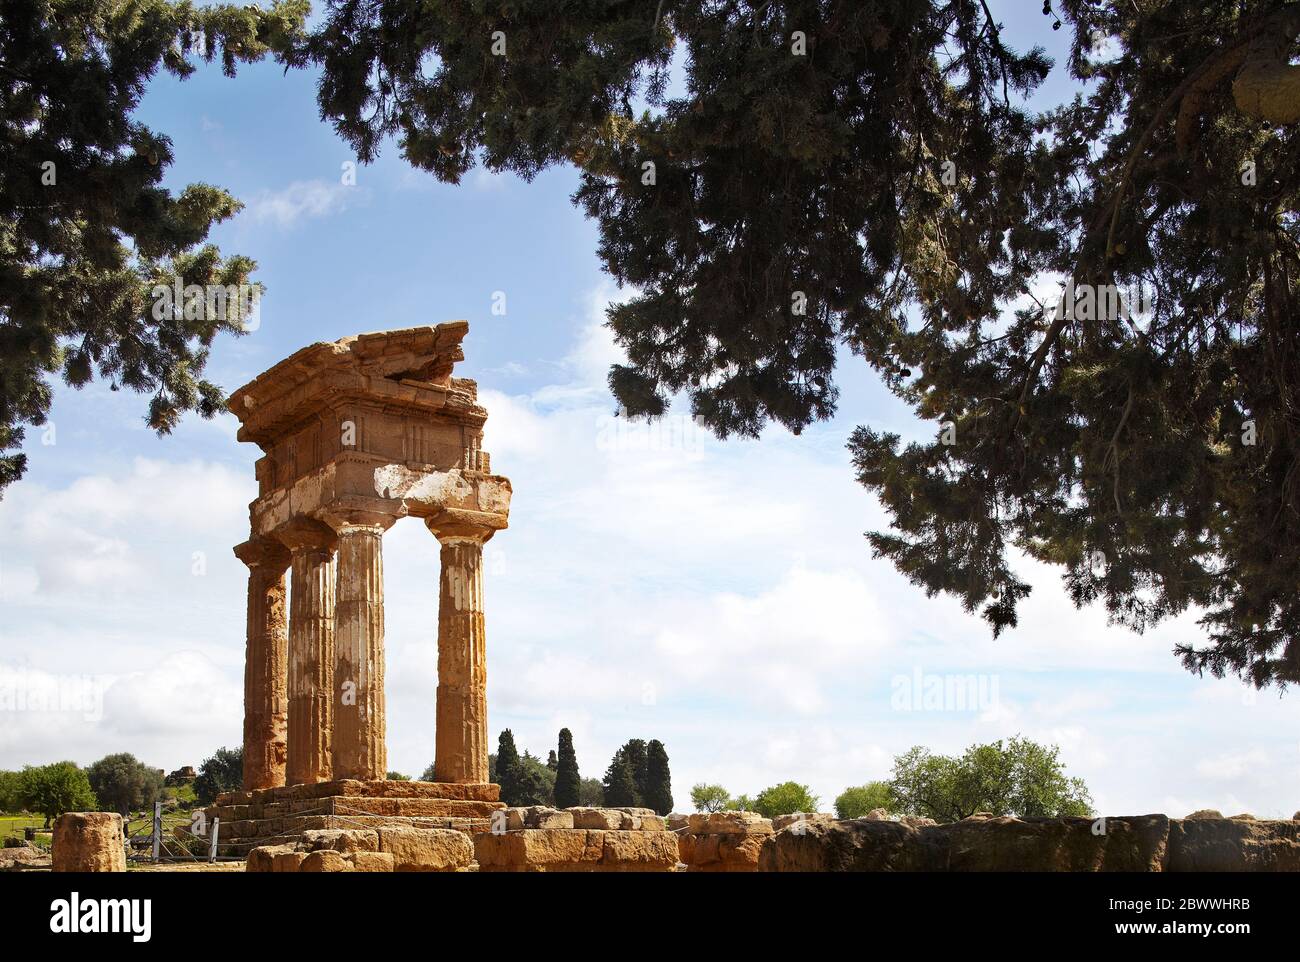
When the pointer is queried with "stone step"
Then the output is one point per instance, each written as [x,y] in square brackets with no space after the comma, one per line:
[275,832]
[352,788]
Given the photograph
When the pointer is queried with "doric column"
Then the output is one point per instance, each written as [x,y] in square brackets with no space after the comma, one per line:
[311,650]
[359,748]
[461,737]
[265,708]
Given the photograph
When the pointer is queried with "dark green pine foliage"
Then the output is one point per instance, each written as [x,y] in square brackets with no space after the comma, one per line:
[534,782]
[87,231]
[865,173]
[568,782]
[507,767]
[620,782]
[658,790]
[551,761]
[635,751]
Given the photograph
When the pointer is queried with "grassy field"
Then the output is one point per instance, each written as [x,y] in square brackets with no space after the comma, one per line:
[14,824]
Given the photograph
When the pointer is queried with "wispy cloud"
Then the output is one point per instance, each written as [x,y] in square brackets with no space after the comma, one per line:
[301,200]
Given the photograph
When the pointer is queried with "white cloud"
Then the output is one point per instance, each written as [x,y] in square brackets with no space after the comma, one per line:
[301,200]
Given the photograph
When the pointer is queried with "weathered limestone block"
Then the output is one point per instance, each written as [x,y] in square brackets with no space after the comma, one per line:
[1233,845]
[325,860]
[639,851]
[598,818]
[796,818]
[729,823]
[426,850]
[287,861]
[23,857]
[262,858]
[1005,844]
[1205,813]
[372,861]
[977,844]
[576,850]
[720,853]
[538,816]
[722,841]
[88,842]
[859,845]
[341,840]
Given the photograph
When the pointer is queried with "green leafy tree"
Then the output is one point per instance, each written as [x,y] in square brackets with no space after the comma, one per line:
[591,793]
[54,789]
[397,777]
[568,783]
[857,802]
[535,782]
[709,798]
[222,772]
[124,784]
[658,791]
[785,799]
[742,803]
[1020,778]
[507,767]
[620,782]
[88,234]
[10,791]
[1152,458]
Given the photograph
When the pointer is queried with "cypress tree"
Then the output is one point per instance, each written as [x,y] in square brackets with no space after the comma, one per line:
[551,761]
[635,750]
[508,767]
[658,791]
[567,780]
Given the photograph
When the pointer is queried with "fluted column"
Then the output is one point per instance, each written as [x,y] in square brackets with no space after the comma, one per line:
[311,650]
[359,748]
[265,708]
[461,737]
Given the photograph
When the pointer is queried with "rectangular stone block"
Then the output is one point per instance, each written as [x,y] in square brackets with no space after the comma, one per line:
[287,861]
[325,860]
[426,850]
[729,823]
[597,818]
[372,861]
[342,840]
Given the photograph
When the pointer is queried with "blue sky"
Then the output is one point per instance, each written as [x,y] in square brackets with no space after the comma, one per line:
[654,583]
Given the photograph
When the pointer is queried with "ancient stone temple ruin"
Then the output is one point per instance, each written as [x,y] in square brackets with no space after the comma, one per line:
[356,435]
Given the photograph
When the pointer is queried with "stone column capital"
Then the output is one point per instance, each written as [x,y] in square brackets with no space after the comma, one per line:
[266,553]
[346,519]
[452,526]
[303,533]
